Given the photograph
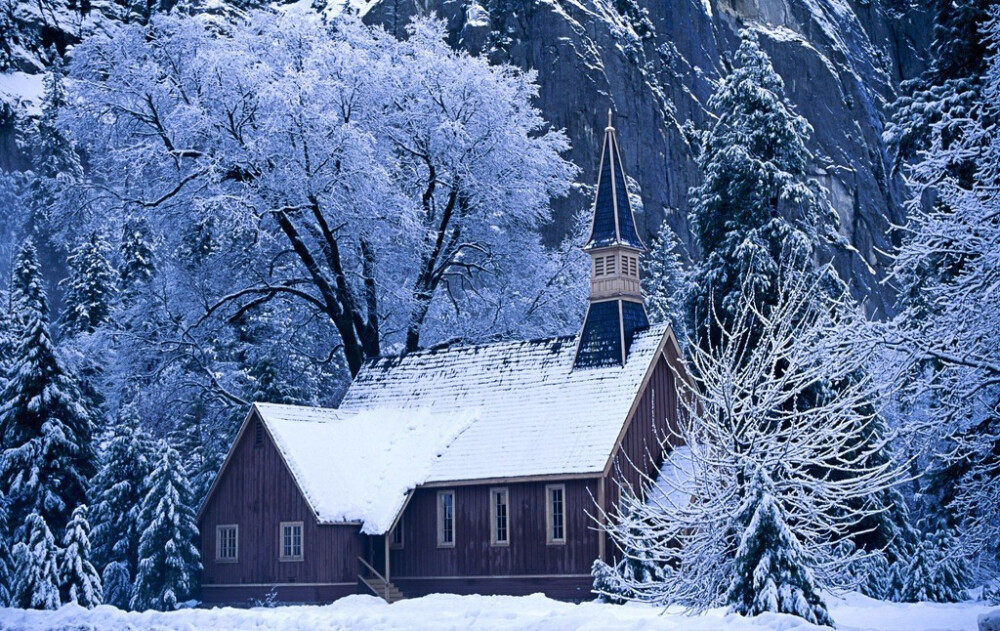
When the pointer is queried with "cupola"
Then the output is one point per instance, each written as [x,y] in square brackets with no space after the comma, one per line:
[616,310]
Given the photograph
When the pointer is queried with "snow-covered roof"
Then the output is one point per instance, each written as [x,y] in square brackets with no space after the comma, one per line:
[536,415]
[673,486]
[359,466]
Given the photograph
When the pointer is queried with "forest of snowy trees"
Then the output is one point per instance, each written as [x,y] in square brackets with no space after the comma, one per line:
[254,221]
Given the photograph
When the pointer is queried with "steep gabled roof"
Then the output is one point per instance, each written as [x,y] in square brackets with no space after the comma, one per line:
[536,415]
[459,415]
[613,221]
[359,466]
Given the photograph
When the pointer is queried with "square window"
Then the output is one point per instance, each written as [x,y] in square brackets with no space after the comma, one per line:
[555,513]
[227,541]
[499,517]
[446,519]
[290,541]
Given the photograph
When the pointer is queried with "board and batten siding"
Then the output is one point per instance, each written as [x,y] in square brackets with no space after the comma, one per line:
[256,492]
[525,565]
[654,422]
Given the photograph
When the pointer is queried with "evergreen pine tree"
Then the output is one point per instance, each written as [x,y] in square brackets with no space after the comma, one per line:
[8,336]
[56,167]
[756,207]
[875,577]
[78,579]
[169,559]
[45,428]
[936,573]
[638,565]
[607,585]
[201,456]
[118,492]
[136,251]
[665,282]
[6,560]
[90,286]
[267,385]
[36,578]
[770,573]
[950,87]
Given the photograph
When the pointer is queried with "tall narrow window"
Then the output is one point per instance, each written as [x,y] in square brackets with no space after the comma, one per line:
[397,535]
[446,519]
[633,266]
[499,535]
[599,266]
[258,433]
[555,513]
[609,264]
[227,541]
[290,541]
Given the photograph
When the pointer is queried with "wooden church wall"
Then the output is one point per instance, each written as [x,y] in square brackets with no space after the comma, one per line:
[640,453]
[257,492]
[526,565]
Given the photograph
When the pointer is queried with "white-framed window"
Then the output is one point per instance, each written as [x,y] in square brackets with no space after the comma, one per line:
[633,266]
[555,513]
[446,518]
[227,543]
[609,264]
[290,541]
[599,266]
[499,517]
[396,541]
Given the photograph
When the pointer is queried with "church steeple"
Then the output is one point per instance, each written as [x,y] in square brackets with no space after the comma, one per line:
[616,309]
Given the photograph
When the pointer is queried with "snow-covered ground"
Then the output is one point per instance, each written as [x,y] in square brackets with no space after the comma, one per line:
[443,611]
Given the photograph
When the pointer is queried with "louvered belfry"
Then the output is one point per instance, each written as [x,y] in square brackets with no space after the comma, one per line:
[616,311]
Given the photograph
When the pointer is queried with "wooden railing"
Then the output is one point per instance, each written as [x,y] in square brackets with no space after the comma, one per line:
[385,583]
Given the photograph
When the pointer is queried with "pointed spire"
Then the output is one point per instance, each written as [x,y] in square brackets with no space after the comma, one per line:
[613,223]
[616,310]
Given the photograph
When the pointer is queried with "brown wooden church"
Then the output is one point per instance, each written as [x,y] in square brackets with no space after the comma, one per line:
[466,470]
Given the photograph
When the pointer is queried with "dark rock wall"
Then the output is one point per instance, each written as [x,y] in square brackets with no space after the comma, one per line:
[841,62]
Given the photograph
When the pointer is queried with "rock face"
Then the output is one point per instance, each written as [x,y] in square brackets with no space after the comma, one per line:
[655,64]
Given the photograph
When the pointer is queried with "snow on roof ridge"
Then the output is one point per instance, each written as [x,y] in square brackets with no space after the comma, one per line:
[540,417]
[391,451]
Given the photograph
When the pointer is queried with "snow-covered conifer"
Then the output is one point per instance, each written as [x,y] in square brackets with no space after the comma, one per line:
[771,572]
[200,453]
[665,282]
[756,207]
[169,563]
[936,571]
[118,490]
[6,558]
[45,427]
[78,579]
[36,576]
[136,250]
[607,584]
[90,287]
[947,91]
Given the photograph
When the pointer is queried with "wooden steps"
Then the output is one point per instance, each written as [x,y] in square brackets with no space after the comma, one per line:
[387,591]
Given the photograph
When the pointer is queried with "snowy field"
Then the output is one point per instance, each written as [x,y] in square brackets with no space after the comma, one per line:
[443,611]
